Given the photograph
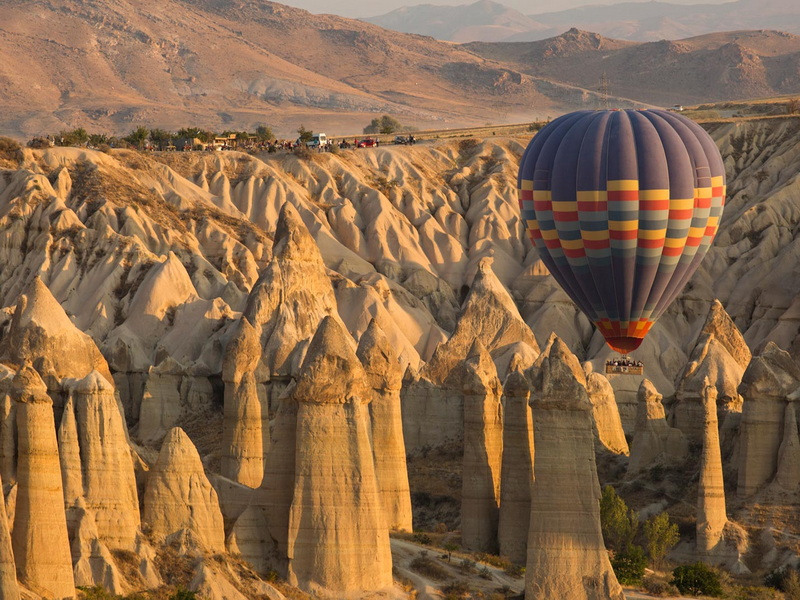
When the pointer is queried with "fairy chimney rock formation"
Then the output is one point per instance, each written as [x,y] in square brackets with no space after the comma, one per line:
[338,539]
[483,451]
[787,476]
[567,558]
[711,514]
[516,475]
[105,476]
[245,437]
[9,590]
[490,315]
[720,356]
[42,333]
[385,377]
[291,297]
[766,385]
[654,441]
[39,538]
[178,495]
[605,412]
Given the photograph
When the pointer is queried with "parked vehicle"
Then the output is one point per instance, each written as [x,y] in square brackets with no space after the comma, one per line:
[318,140]
[404,139]
[367,143]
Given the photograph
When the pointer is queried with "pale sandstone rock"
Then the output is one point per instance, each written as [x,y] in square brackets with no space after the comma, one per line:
[432,414]
[179,496]
[566,555]
[92,560]
[720,355]
[9,590]
[250,538]
[483,451]
[102,472]
[39,539]
[338,541]
[210,584]
[788,473]
[608,424]
[654,441]
[161,407]
[517,470]
[385,377]
[42,331]
[8,438]
[245,437]
[489,315]
[711,513]
[769,379]
[277,490]
[292,295]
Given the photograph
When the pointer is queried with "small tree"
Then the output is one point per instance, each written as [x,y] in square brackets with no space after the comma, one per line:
[792,106]
[160,137]
[450,547]
[619,523]
[138,136]
[629,566]
[98,139]
[662,535]
[697,579]
[384,124]
[791,585]
[264,133]
[304,134]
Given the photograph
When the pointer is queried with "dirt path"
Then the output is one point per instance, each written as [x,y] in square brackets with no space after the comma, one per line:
[404,552]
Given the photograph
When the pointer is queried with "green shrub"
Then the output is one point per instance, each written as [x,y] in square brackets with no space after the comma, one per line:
[697,579]
[428,567]
[8,148]
[658,587]
[183,594]
[422,538]
[629,566]
[456,590]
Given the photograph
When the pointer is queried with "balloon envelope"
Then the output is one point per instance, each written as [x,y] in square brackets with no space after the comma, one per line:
[622,206]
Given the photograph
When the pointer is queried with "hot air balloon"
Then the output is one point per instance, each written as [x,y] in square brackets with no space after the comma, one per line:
[622,206]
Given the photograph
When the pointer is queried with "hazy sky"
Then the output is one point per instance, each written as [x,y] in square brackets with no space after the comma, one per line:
[371,8]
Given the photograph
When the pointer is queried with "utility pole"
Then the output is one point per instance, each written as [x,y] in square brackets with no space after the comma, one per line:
[603,92]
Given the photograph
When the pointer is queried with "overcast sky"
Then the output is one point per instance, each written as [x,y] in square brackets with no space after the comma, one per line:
[371,8]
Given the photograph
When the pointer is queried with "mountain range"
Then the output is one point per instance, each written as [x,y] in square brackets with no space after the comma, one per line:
[489,21]
[113,65]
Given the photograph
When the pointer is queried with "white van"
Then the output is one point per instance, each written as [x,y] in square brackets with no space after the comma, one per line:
[318,140]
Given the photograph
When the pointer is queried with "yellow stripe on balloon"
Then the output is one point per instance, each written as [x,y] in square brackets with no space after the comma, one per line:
[623,225]
[622,185]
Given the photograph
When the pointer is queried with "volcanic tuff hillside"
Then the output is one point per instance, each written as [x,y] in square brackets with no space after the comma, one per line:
[224,294]
[116,64]
[719,66]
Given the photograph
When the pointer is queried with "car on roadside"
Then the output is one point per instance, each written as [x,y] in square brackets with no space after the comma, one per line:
[401,139]
[367,143]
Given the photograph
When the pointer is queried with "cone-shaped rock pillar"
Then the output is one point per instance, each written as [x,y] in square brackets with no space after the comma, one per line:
[179,497]
[517,471]
[566,555]
[40,541]
[338,539]
[654,440]
[711,514]
[385,376]
[483,451]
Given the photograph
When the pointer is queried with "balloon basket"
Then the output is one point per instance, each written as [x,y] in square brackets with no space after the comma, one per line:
[624,366]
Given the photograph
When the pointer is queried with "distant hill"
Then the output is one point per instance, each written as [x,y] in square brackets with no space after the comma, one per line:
[718,66]
[488,21]
[112,65]
[484,20]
